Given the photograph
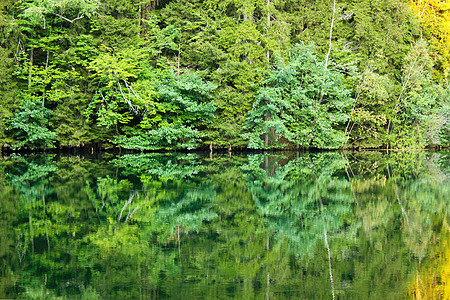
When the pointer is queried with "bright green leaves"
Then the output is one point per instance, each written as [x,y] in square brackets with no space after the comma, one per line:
[404,113]
[29,125]
[8,85]
[51,55]
[231,43]
[415,121]
[166,136]
[115,101]
[434,18]
[368,120]
[149,105]
[67,10]
[382,32]
[105,68]
[111,68]
[302,104]
[185,98]
[443,115]
[176,118]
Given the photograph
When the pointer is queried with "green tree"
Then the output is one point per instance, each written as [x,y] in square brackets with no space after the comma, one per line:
[8,85]
[368,117]
[30,126]
[176,118]
[302,104]
[414,119]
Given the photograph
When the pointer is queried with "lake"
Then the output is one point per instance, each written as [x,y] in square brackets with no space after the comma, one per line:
[326,225]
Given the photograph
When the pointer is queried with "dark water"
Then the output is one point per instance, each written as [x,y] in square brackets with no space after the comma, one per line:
[368,225]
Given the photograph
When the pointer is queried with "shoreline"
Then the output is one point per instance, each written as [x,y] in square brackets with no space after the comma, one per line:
[118,150]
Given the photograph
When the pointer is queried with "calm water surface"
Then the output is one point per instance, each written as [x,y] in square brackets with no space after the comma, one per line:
[367,225]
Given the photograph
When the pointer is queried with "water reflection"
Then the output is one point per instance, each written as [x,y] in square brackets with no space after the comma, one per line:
[365,225]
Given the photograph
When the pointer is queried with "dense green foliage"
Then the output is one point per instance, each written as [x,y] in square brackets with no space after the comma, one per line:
[253,226]
[302,103]
[177,74]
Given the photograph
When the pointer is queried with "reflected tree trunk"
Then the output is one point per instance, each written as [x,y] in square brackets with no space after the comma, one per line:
[45,219]
[325,234]
[30,222]
[267,268]
[179,243]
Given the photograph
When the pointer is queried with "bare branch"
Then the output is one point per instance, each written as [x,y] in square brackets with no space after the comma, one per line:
[69,20]
[19,48]
[132,213]
[132,107]
[131,89]
[126,204]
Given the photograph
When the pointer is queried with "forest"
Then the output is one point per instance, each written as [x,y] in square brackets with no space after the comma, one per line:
[230,74]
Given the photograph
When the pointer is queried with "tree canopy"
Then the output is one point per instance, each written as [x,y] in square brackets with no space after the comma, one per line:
[176,74]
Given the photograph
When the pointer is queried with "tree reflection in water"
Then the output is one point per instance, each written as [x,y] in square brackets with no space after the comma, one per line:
[362,225]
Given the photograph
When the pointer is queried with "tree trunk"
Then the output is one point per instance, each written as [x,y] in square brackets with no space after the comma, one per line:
[30,70]
[327,57]
[268,27]
[45,80]
[331,35]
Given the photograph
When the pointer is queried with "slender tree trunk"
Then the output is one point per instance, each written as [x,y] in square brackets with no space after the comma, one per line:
[30,69]
[268,27]
[327,57]
[45,80]
[329,259]
[404,86]
[211,151]
[266,135]
[45,219]
[267,268]
[348,128]
[331,35]
[404,214]
[327,245]
[141,16]
[179,243]
[179,57]
[30,222]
